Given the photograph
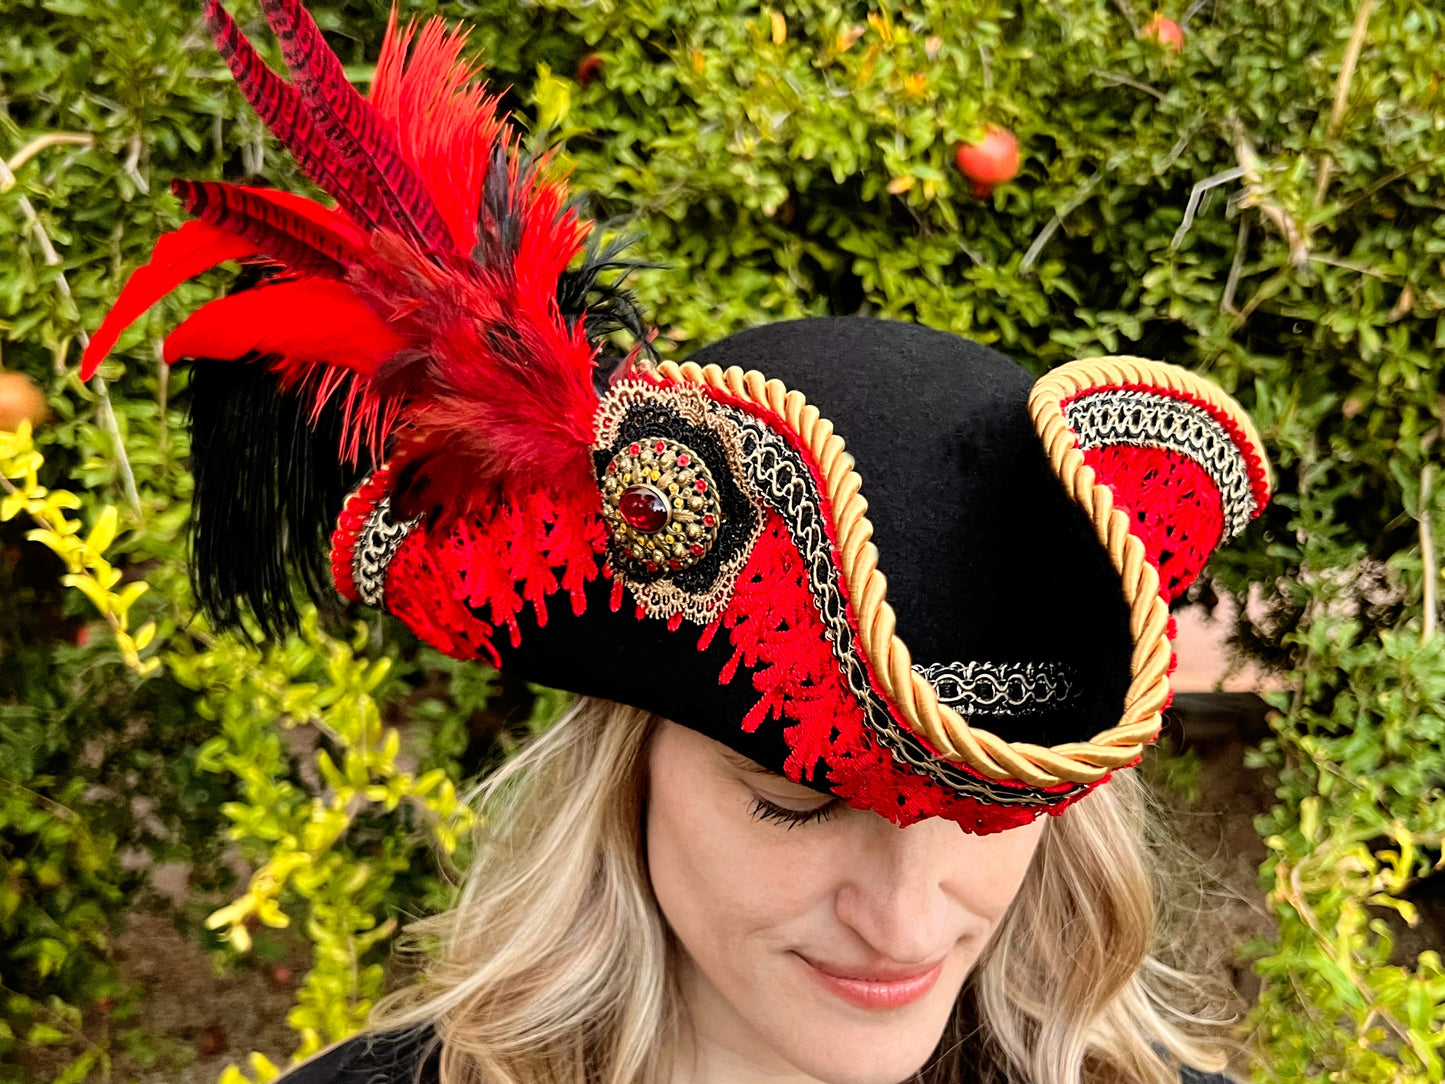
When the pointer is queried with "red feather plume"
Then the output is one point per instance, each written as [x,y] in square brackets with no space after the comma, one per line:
[293,231]
[425,306]
[304,322]
[194,248]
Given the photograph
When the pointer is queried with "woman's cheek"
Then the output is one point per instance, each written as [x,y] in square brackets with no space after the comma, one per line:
[992,869]
[709,853]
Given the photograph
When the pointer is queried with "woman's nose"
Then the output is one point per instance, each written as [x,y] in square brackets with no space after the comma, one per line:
[895,893]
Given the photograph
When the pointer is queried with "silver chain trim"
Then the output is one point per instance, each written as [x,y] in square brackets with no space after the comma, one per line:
[376,545]
[1148,420]
[1007,688]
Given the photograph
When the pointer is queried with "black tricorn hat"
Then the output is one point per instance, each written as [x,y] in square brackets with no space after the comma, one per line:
[962,611]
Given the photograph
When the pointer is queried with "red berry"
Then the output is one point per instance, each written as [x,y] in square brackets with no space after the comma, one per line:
[588,67]
[1166,32]
[993,160]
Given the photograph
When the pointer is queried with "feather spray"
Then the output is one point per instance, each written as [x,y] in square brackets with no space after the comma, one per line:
[432,317]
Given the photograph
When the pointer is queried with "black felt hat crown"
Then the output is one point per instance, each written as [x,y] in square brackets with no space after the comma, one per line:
[879,559]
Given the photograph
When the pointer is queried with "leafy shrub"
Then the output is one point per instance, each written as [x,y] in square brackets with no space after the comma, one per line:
[1262,205]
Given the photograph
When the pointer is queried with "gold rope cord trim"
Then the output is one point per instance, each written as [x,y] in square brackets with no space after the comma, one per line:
[1148,612]
[910,692]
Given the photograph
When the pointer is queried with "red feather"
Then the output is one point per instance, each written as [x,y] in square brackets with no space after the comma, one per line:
[501,397]
[292,230]
[177,256]
[363,139]
[289,118]
[448,123]
[431,324]
[303,322]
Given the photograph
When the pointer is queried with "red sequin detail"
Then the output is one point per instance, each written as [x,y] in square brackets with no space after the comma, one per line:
[1174,508]
[684,459]
[700,486]
[659,447]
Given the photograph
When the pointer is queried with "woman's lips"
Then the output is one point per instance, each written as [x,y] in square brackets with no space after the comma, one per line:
[875,993]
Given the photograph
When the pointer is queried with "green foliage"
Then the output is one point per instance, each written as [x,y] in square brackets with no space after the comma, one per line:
[1360,752]
[321,841]
[1263,206]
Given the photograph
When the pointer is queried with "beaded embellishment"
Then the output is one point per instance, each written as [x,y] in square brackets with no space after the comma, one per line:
[651,441]
[661,504]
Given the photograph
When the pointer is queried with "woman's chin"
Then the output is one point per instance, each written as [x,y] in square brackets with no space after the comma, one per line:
[878,1059]
[852,1033]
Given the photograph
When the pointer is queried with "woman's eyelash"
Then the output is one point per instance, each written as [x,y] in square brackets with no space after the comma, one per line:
[765,810]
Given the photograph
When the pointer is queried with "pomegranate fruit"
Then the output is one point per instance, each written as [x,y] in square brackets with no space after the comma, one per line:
[991,161]
[588,68]
[1166,32]
[20,400]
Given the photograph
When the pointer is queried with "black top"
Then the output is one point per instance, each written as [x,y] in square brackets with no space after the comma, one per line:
[410,1057]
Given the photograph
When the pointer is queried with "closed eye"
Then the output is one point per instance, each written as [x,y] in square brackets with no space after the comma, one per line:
[765,810]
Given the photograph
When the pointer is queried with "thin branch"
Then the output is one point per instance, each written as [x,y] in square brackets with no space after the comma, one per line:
[1232,283]
[1267,290]
[1179,145]
[1124,80]
[1429,569]
[1342,92]
[1027,263]
[163,389]
[1385,182]
[131,165]
[1351,265]
[1194,9]
[1254,196]
[1427,550]
[1196,194]
[107,412]
[111,426]
[1128,16]
[35,146]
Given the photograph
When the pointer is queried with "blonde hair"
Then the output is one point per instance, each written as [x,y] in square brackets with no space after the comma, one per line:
[553,968]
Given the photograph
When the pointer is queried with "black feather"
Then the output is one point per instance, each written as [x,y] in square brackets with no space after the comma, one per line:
[604,307]
[268,490]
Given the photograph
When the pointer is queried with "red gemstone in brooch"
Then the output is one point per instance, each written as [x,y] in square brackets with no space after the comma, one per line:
[643,508]
[661,506]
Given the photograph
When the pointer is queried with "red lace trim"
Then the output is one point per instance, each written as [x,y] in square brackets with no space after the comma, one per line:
[774,626]
[1174,508]
[459,591]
